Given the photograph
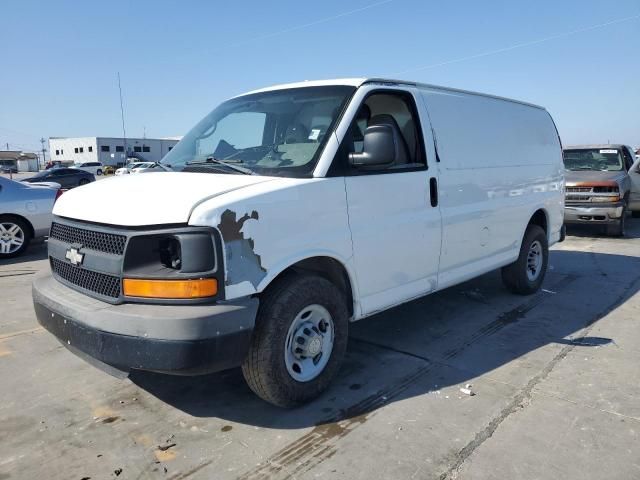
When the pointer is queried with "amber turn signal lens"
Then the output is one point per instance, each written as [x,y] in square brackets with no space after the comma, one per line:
[200,288]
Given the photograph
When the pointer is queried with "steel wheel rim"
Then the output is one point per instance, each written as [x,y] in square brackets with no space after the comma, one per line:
[309,343]
[534,260]
[11,237]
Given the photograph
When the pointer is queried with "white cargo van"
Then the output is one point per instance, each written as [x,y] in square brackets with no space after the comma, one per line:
[292,211]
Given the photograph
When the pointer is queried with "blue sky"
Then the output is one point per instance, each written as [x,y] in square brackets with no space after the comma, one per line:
[178,60]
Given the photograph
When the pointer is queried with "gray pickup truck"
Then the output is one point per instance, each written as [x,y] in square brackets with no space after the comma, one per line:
[602,185]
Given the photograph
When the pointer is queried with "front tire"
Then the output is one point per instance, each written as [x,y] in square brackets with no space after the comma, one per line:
[14,237]
[526,274]
[83,181]
[99,172]
[299,340]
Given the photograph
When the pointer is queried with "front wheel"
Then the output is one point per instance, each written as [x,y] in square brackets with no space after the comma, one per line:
[525,275]
[299,340]
[83,181]
[99,172]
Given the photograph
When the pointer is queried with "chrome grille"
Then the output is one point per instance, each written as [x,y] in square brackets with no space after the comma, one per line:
[579,189]
[100,241]
[100,283]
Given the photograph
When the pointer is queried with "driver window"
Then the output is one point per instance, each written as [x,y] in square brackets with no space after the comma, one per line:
[396,110]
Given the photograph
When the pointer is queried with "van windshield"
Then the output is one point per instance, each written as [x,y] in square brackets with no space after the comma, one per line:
[607,159]
[279,133]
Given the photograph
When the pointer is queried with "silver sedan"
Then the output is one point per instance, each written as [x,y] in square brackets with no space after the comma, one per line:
[25,214]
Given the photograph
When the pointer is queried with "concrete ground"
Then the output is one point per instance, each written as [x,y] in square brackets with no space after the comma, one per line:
[556,378]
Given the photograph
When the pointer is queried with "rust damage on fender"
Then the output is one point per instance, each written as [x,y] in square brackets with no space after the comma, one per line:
[243,264]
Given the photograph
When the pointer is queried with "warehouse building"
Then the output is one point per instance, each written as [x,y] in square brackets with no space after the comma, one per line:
[109,150]
[16,161]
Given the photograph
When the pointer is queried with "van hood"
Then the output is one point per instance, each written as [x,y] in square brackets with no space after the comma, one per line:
[152,199]
[582,177]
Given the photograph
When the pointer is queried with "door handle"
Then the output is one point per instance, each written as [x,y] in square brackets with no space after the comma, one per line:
[433,189]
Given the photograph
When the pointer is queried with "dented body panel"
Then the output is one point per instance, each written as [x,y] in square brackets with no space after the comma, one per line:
[281,223]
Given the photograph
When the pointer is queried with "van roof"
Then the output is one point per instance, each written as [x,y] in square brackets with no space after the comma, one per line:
[359,81]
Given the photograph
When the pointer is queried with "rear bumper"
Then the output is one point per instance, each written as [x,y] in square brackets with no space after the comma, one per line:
[586,214]
[175,339]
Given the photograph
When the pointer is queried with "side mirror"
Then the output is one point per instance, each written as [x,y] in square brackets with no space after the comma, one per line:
[379,148]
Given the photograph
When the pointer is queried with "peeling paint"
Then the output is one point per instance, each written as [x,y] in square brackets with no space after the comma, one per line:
[243,264]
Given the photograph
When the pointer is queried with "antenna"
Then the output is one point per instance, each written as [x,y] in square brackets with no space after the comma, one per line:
[124,132]
[44,159]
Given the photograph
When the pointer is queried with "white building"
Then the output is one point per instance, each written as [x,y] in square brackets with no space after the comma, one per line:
[109,150]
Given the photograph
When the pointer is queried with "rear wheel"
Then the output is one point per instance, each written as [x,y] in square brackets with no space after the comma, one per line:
[14,237]
[299,340]
[526,274]
[99,172]
[618,229]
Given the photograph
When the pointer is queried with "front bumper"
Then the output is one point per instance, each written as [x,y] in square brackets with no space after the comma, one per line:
[176,339]
[585,214]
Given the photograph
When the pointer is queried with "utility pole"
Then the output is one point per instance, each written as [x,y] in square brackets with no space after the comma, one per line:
[124,132]
[44,159]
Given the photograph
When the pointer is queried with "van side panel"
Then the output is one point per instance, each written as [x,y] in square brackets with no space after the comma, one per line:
[500,162]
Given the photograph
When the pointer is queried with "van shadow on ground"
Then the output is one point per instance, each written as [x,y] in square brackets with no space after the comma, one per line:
[445,339]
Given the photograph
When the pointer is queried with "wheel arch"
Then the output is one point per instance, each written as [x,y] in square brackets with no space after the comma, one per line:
[541,218]
[327,266]
[31,231]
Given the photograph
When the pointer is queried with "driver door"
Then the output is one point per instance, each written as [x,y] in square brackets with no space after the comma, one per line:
[394,219]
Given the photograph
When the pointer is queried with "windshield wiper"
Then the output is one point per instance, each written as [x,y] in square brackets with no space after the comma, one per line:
[231,165]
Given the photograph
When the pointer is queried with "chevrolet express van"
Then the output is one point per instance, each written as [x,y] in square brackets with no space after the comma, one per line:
[291,212]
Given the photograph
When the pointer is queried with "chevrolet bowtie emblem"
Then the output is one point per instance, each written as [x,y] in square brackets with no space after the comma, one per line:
[74,256]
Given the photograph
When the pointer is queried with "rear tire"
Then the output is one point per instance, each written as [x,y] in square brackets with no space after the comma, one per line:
[618,229]
[526,274]
[99,172]
[285,344]
[15,236]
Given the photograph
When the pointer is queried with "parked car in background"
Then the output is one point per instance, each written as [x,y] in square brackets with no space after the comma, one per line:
[7,168]
[598,186]
[25,214]
[634,195]
[92,167]
[148,167]
[127,168]
[53,164]
[293,211]
[66,177]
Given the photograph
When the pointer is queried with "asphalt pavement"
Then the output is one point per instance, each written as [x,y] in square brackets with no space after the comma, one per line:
[555,379]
